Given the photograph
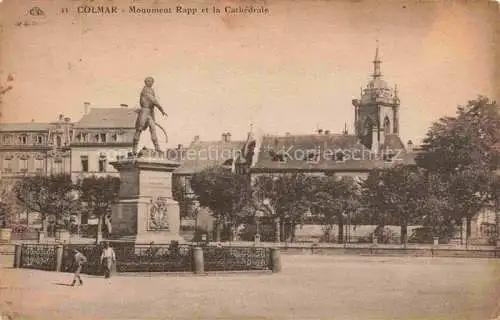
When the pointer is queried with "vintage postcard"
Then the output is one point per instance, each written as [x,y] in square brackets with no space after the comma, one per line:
[249,159]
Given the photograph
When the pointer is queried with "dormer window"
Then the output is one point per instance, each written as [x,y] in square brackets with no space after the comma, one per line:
[23,139]
[312,156]
[338,156]
[279,157]
[389,157]
[103,137]
[38,139]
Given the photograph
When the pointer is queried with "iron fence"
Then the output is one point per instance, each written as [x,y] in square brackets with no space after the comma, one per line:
[132,258]
[236,258]
[91,251]
[38,256]
[153,258]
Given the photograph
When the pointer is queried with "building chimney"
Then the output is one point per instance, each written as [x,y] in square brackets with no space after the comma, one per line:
[223,137]
[327,132]
[228,137]
[179,146]
[320,131]
[67,119]
[124,105]
[196,138]
[86,107]
[61,117]
[410,146]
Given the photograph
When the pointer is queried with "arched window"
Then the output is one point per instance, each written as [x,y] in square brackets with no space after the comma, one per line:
[387,125]
[367,128]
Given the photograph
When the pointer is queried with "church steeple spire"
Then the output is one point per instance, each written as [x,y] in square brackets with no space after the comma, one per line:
[376,64]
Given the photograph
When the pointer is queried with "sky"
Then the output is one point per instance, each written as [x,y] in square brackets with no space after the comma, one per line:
[294,69]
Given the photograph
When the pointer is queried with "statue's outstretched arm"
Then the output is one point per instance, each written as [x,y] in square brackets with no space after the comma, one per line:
[155,102]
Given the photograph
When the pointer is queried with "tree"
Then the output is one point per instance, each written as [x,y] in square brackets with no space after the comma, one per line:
[336,201]
[48,195]
[285,198]
[225,193]
[186,201]
[463,151]
[99,194]
[8,203]
[395,196]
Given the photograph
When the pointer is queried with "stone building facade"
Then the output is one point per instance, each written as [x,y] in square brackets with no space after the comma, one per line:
[100,136]
[78,148]
[35,148]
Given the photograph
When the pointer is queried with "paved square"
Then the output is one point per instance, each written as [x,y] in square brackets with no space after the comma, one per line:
[310,287]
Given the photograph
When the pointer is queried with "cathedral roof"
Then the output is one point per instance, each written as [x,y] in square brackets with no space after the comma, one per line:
[316,153]
[377,83]
[377,89]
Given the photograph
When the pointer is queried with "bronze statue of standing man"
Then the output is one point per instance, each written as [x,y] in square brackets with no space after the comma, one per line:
[146,116]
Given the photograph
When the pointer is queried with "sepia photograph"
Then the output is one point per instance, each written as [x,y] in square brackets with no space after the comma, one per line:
[249,159]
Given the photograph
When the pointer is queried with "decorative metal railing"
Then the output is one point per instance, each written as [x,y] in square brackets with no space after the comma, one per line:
[154,258]
[91,251]
[132,257]
[236,258]
[38,256]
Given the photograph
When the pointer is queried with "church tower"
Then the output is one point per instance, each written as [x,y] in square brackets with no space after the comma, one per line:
[377,110]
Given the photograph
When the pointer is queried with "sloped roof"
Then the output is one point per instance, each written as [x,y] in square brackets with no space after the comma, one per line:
[108,118]
[324,148]
[393,142]
[203,154]
[28,126]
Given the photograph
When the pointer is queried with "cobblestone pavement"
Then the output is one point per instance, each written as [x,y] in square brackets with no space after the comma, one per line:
[310,287]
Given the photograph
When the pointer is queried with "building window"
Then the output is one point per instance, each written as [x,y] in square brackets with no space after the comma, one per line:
[58,141]
[57,166]
[103,137]
[23,139]
[23,165]
[7,139]
[102,164]
[114,137]
[84,160]
[39,165]
[7,165]
[38,139]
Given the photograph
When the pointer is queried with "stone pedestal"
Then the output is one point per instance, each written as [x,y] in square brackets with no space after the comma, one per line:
[146,211]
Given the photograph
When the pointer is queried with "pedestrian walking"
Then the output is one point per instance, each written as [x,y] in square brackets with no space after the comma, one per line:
[79,260]
[108,258]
